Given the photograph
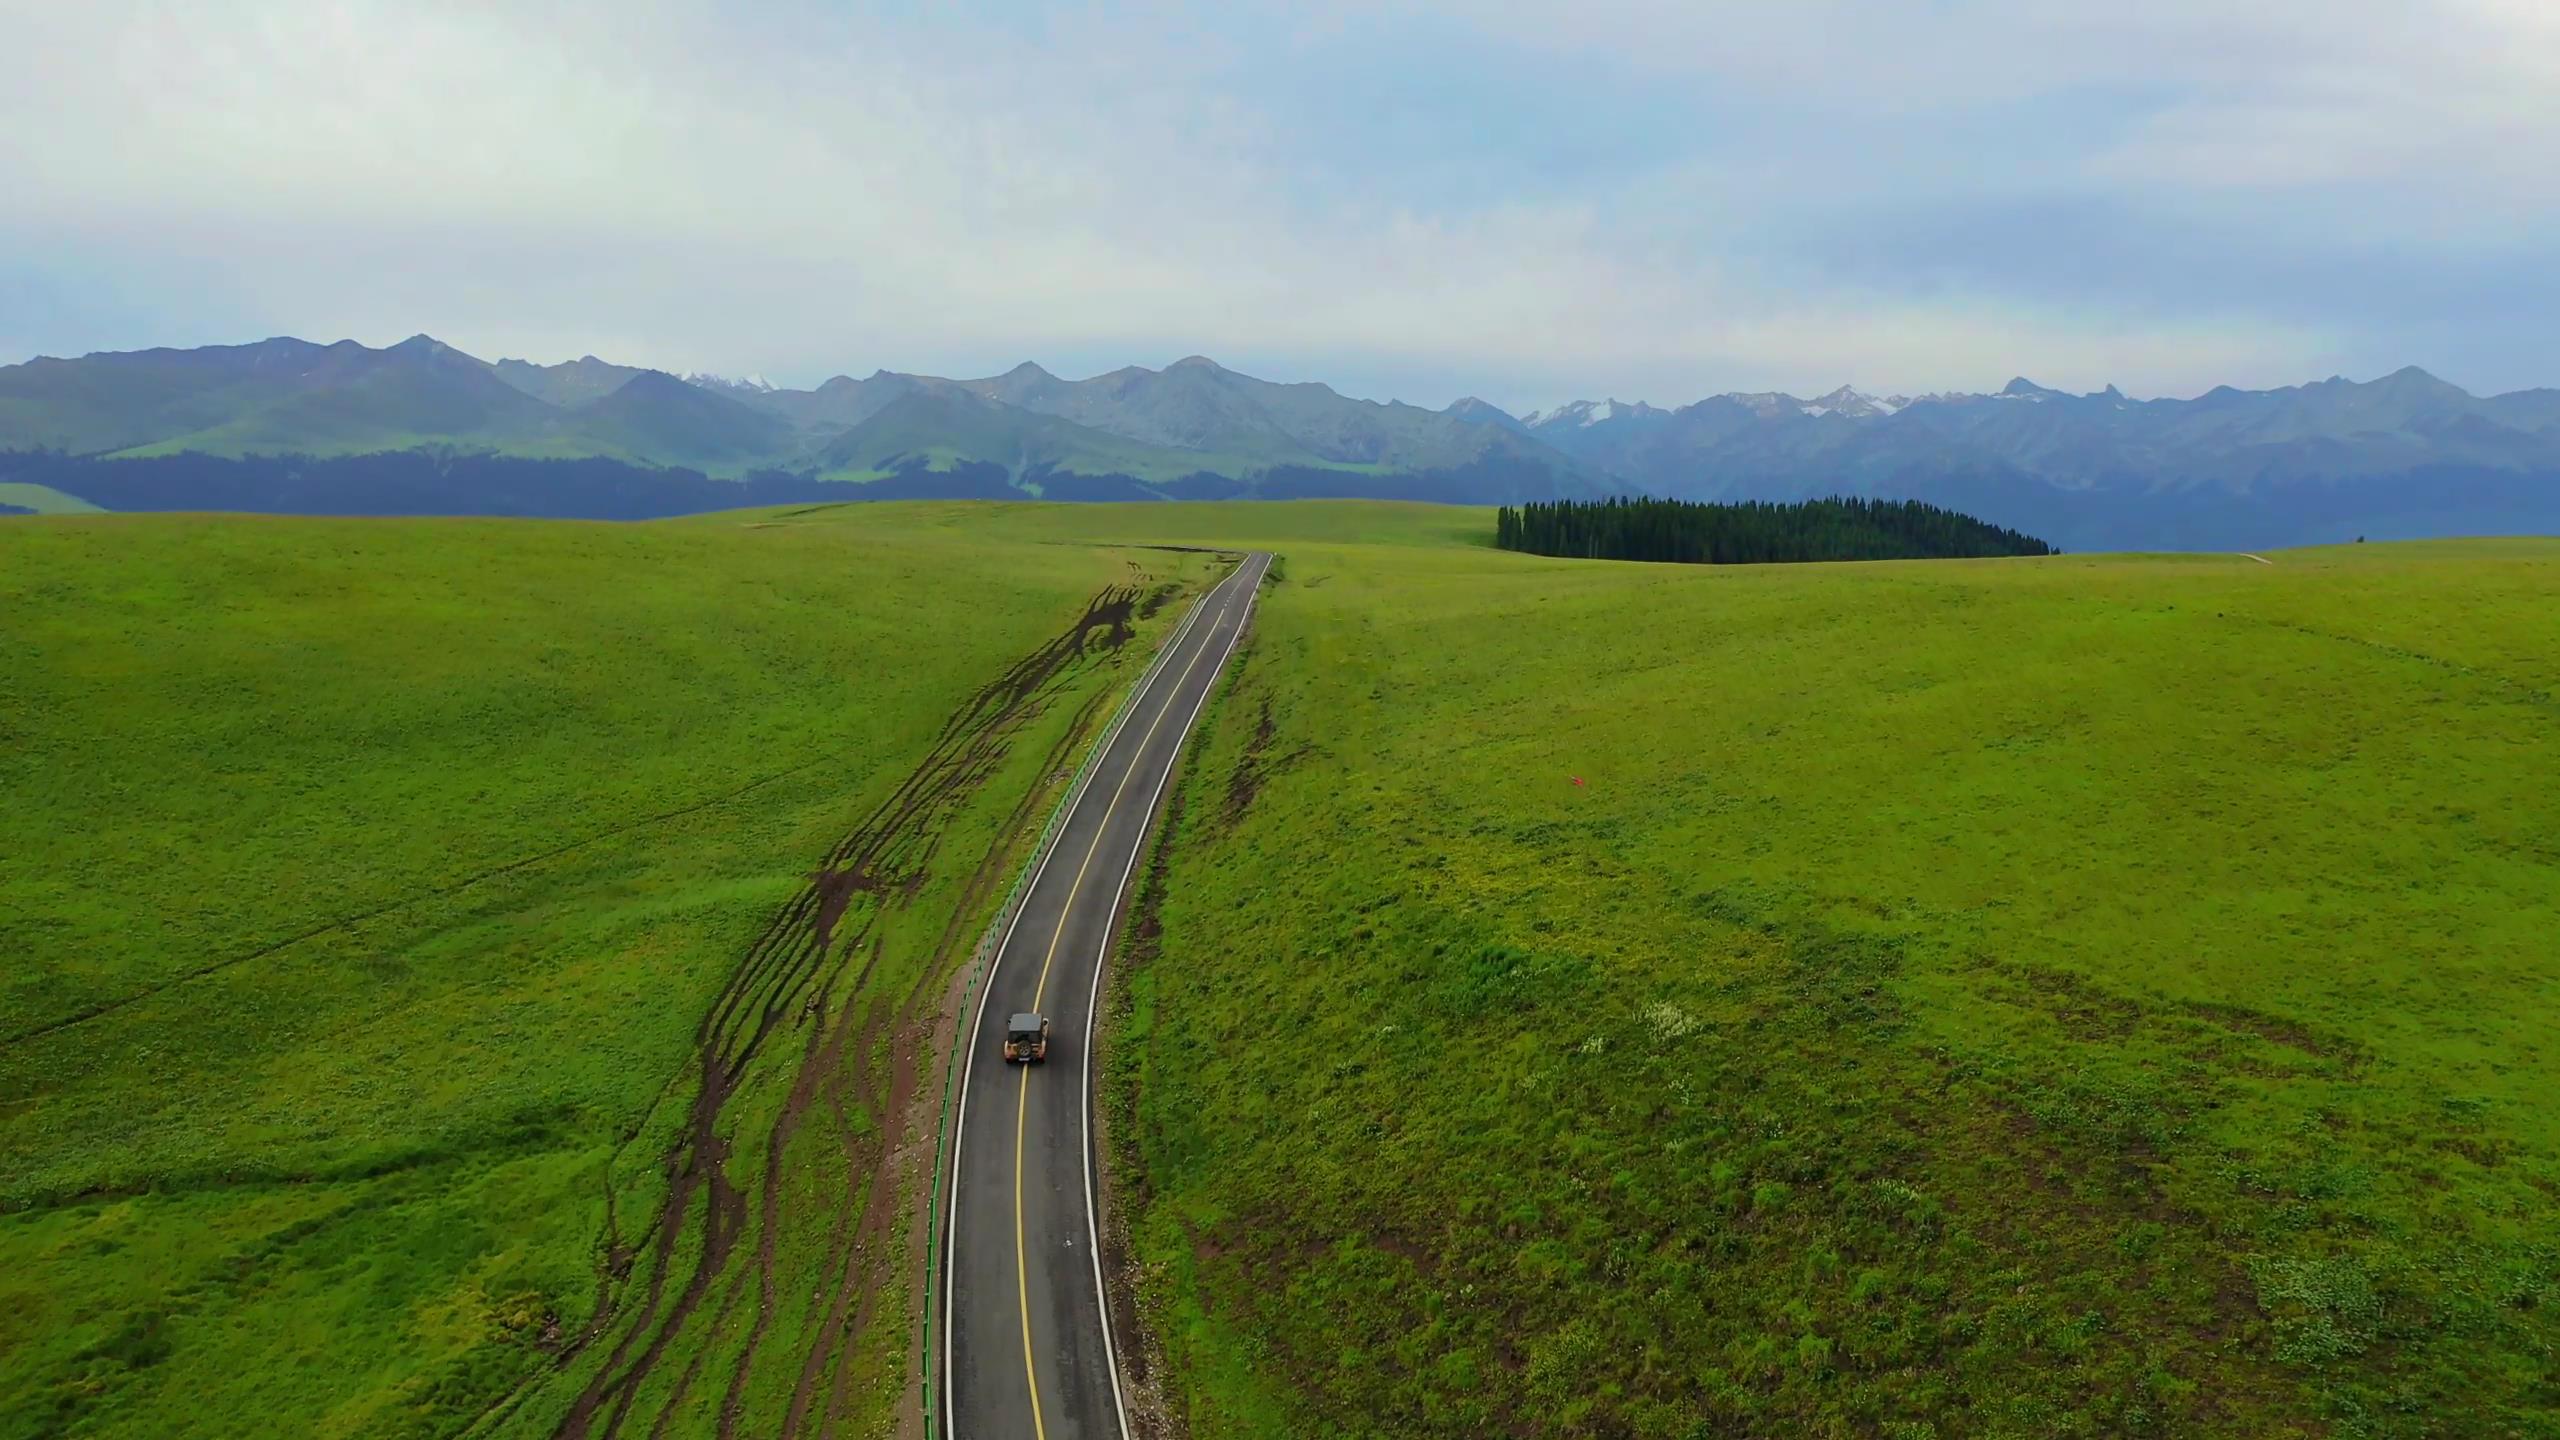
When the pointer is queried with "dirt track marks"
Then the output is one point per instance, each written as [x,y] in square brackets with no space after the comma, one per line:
[855,1073]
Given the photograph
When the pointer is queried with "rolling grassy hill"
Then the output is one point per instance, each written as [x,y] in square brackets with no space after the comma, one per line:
[2081,996]
[2076,996]
[379,897]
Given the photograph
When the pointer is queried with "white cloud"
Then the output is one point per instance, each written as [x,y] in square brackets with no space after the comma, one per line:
[2270,93]
[800,193]
[2461,96]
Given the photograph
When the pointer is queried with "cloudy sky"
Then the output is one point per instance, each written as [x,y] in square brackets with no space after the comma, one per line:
[1531,201]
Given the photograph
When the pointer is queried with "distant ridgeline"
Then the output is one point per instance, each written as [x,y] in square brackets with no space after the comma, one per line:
[421,428]
[1753,532]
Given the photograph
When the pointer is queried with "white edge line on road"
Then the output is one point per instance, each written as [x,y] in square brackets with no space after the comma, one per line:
[967,1038]
[1092,999]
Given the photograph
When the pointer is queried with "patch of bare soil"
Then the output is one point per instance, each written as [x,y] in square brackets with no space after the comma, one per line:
[1246,781]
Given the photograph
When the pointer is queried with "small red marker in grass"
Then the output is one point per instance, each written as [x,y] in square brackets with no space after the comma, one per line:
[1577,780]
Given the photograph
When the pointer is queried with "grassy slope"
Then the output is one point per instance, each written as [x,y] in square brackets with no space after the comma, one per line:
[1930,1015]
[2073,997]
[395,864]
[43,499]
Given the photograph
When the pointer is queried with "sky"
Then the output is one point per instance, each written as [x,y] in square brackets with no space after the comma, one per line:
[1417,199]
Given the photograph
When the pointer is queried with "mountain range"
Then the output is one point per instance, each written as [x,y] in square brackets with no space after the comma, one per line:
[422,426]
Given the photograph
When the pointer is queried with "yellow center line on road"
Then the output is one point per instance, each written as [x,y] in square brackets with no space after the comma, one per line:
[1022,1115]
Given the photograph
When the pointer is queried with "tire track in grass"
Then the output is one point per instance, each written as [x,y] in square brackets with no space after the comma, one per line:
[857,1285]
[793,967]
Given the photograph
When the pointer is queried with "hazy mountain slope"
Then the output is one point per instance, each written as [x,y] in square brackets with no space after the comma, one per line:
[2230,466]
[573,382]
[939,426]
[2528,410]
[2404,455]
[291,397]
[113,401]
[844,402]
[658,417]
[1198,404]
[1185,406]
[1196,428]
[1479,412]
[353,400]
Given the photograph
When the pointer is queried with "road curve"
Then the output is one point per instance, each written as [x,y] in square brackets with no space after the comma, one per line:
[1027,1349]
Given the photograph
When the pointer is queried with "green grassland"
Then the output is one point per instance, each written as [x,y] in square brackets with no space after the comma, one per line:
[366,887]
[2082,996]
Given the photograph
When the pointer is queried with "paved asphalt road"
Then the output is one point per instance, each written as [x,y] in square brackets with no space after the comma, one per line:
[1026,1343]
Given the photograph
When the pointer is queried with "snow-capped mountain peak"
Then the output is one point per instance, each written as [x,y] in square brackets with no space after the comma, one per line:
[752,384]
[1584,413]
[1766,404]
[1855,404]
[1579,412]
[1846,402]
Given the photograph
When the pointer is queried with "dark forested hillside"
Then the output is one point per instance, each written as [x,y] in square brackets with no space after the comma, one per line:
[419,482]
[428,482]
[1753,532]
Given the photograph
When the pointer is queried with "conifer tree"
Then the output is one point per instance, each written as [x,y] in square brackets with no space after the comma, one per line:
[1752,532]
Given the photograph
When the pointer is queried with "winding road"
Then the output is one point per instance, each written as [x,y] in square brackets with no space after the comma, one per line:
[1026,1345]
